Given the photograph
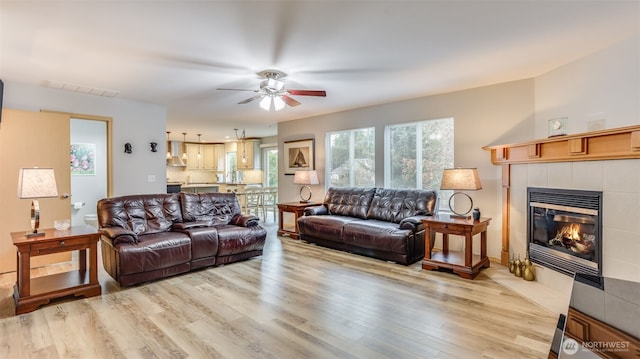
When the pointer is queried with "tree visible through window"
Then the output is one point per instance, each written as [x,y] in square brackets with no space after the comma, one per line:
[417,153]
[351,158]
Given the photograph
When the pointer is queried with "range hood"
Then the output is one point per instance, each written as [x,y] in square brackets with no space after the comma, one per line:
[175,149]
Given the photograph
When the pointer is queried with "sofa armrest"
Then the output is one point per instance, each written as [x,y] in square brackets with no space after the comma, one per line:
[119,235]
[316,210]
[188,225]
[413,223]
[245,220]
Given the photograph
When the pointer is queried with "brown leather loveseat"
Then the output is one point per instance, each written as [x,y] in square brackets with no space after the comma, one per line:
[376,222]
[147,237]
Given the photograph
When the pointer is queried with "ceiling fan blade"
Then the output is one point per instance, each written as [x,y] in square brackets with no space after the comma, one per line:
[307,92]
[289,101]
[256,97]
[227,89]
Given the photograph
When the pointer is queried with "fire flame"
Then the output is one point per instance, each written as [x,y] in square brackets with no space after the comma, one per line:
[571,232]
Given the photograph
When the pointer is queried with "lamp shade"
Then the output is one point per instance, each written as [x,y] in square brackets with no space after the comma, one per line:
[37,183]
[306,177]
[460,179]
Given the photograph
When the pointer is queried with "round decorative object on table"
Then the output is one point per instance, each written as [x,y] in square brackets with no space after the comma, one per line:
[62,224]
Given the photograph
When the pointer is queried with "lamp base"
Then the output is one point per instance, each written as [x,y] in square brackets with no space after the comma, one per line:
[303,198]
[34,234]
[459,216]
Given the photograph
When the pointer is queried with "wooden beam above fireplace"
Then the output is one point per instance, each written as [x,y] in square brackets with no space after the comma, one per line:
[612,144]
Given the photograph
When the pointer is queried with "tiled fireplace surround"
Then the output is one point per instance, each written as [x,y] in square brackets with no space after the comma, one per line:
[606,161]
[619,180]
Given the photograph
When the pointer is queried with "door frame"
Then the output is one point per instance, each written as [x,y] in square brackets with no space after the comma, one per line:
[109,123]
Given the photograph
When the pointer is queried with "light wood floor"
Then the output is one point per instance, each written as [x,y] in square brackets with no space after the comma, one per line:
[296,301]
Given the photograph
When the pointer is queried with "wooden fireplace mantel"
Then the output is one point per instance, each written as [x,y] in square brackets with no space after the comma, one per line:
[613,144]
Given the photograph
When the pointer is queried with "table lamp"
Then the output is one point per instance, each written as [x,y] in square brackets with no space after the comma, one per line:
[36,183]
[460,179]
[305,178]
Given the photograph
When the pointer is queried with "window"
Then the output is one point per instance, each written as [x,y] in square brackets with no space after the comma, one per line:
[351,158]
[270,161]
[416,154]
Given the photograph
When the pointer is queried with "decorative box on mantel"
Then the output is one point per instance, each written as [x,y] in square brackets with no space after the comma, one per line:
[613,144]
[617,143]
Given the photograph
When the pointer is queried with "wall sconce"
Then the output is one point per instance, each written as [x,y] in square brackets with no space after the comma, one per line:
[460,179]
[36,183]
[305,178]
[154,146]
[128,148]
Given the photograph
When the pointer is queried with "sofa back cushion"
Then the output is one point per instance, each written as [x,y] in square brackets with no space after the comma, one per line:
[393,205]
[215,208]
[141,214]
[349,201]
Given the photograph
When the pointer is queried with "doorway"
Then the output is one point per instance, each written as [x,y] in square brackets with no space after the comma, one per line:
[89,168]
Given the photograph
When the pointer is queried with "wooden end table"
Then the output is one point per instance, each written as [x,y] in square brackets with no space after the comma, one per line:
[29,294]
[465,264]
[297,208]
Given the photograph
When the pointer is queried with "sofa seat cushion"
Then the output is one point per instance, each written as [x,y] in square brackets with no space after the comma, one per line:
[377,235]
[204,241]
[234,239]
[327,227]
[154,251]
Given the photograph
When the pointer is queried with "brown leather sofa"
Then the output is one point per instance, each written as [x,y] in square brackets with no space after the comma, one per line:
[375,222]
[147,237]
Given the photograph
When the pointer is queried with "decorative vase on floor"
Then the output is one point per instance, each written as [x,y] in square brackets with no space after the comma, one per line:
[528,273]
[518,268]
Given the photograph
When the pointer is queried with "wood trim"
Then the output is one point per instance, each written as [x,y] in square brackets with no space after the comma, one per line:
[506,198]
[612,144]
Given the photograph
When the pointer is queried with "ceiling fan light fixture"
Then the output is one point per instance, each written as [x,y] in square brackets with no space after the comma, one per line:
[274,84]
[265,103]
[278,103]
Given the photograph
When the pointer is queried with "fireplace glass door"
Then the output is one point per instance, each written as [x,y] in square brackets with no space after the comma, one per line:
[564,236]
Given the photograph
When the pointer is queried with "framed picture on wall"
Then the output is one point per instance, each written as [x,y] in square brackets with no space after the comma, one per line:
[83,157]
[299,155]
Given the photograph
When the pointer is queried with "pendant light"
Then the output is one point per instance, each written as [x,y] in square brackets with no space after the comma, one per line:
[199,145]
[168,148]
[184,146]
[242,138]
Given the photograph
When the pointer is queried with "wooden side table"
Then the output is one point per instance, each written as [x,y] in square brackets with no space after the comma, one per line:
[29,293]
[297,208]
[465,264]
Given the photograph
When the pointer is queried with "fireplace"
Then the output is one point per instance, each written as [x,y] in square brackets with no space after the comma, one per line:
[565,229]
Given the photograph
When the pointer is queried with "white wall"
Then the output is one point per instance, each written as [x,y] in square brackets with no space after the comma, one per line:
[482,116]
[135,122]
[600,91]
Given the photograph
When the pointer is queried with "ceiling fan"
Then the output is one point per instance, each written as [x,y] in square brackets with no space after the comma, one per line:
[272,93]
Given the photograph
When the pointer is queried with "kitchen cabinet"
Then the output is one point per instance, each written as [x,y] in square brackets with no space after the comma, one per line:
[211,156]
[250,150]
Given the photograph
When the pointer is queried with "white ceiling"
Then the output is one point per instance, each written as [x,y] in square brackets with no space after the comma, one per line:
[176,53]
